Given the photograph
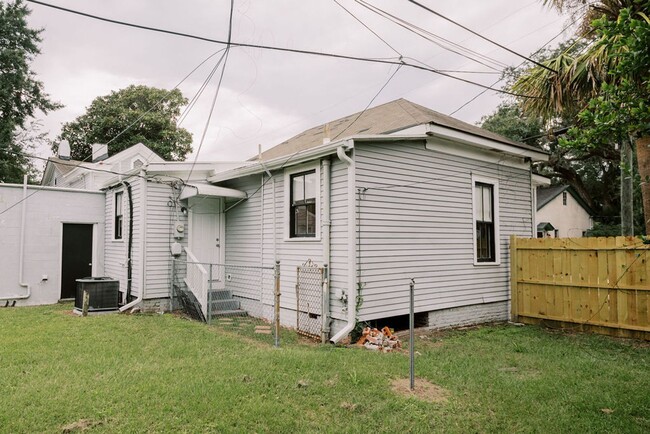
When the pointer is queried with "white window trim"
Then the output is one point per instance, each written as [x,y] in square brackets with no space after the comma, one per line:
[287,205]
[117,240]
[497,227]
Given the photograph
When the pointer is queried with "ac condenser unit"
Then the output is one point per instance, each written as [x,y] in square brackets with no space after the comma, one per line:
[104,293]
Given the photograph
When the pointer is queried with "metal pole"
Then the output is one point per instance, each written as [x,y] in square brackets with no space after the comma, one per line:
[276,304]
[209,307]
[325,329]
[412,333]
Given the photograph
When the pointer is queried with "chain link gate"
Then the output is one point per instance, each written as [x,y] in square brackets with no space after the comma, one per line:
[309,299]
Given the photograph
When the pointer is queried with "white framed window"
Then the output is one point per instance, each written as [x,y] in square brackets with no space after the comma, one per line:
[485,221]
[302,203]
[118,214]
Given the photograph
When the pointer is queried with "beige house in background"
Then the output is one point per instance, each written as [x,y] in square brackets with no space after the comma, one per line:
[561,213]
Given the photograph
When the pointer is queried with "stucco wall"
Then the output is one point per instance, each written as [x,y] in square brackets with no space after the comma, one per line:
[571,220]
[46,212]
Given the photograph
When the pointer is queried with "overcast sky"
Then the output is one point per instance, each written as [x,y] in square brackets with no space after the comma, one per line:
[267,97]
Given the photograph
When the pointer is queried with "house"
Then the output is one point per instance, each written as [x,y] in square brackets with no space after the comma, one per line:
[561,212]
[375,200]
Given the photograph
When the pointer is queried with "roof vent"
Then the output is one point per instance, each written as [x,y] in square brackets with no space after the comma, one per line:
[100,152]
[64,150]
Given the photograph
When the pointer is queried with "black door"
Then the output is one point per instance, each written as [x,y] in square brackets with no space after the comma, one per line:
[77,256]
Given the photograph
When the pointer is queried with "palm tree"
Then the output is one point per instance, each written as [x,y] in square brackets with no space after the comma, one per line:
[575,80]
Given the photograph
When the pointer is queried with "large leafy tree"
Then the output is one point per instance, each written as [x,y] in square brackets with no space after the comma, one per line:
[21,94]
[607,83]
[136,114]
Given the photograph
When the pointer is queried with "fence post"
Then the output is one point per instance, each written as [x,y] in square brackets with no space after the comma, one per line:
[276,304]
[325,329]
[412,333]
[514,276]
[209,297]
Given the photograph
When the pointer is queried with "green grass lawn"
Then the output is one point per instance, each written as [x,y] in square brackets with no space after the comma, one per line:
[150,373]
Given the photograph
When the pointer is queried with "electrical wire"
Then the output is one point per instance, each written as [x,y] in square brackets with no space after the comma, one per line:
[438,14]
[564,29]
[284,49]
[216,93]
[367,27]
[434,38]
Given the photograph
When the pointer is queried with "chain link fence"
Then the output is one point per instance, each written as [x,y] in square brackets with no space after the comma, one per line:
[309,299]
[243,298]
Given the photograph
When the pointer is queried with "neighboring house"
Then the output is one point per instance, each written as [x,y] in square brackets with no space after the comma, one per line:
[561,213]
[395,193]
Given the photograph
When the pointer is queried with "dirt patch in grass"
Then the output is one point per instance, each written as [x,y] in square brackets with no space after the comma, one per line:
[80,425]
[424,390]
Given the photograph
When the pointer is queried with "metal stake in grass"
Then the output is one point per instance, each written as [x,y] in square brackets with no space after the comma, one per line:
[411,333]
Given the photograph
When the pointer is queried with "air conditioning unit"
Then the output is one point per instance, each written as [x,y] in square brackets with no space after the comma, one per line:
[104,294]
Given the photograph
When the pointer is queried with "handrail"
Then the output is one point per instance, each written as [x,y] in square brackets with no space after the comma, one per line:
[197,281]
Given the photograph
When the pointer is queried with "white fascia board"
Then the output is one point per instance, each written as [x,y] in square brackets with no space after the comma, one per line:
[485,143]
[540,180]
[308,154]
[283,161]
[122,177]
[51,188]
[199,189]
[449,147]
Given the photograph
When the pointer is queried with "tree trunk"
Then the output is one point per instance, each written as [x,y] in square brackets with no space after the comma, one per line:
[643,160]
[627,188]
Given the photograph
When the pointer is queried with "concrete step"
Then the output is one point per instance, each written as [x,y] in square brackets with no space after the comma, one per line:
[221,294]
[219,305]
[226,313]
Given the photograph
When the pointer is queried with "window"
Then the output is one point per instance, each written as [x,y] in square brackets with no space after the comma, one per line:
[484,216]
[564,198]
[302,213]
[137,163]
[117,231]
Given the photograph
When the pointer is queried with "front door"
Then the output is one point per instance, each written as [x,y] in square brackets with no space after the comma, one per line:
[77,256]
[205,229]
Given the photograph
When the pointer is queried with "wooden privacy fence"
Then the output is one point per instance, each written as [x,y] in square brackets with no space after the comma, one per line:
[602,284]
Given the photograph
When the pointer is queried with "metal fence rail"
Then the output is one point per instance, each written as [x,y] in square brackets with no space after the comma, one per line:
[244,297]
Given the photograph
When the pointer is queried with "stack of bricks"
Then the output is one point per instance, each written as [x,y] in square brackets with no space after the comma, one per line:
[380,340]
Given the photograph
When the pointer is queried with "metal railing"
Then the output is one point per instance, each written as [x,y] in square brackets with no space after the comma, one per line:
[241,297]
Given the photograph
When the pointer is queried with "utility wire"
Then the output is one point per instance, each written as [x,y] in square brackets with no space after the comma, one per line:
[438,14]
[564,29]
[283,49]
[367,27]
[434,38]
[216,93]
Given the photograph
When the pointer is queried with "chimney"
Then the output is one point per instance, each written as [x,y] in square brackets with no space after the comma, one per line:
[100,152]
[64,150]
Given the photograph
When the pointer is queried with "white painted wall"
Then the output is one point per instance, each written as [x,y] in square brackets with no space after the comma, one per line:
[571,220]
[46,212]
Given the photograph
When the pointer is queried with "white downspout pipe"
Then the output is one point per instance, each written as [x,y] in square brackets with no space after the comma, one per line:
[325,234]
[352,288]
[143,241]
[22,249]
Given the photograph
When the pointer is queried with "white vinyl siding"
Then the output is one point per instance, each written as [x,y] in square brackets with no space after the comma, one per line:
[419,224]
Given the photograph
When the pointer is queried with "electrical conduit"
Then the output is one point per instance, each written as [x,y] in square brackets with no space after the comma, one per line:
[22,249]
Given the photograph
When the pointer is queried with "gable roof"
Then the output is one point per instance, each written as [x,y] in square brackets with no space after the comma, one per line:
[547,194]
[383,119]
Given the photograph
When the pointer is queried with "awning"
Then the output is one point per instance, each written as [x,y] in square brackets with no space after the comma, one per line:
[545,226]
[197,189]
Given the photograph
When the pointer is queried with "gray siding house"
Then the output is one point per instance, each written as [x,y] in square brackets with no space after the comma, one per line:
[396,193]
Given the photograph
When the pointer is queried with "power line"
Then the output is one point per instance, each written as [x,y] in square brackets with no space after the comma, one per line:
[432,37]
[520,64]
[283,49]
[438,14]
[216,93]
[367,27]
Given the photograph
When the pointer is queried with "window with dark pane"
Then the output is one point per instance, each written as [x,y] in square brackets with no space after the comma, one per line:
[484,216]
[118,215]
[304,187]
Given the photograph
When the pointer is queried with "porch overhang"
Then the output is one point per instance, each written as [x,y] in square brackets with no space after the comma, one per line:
[207,190]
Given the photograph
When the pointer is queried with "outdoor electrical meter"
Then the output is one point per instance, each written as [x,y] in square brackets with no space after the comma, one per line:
[179,230]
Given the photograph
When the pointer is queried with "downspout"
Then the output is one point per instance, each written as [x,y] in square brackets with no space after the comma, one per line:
[129,259]
[352,289]
[21,258]
[325,234]
[143,241]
